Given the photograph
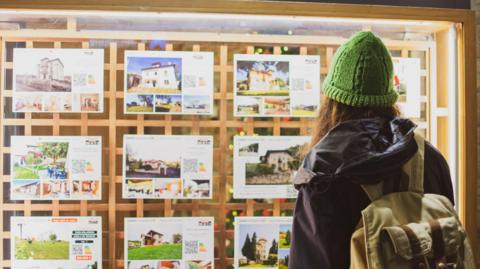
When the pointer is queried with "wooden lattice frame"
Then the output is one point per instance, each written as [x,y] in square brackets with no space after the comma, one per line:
[112,206]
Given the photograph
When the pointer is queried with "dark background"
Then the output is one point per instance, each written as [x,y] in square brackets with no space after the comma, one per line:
[461,4]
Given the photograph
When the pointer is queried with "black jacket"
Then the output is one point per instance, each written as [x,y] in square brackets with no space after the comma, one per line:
[330,198]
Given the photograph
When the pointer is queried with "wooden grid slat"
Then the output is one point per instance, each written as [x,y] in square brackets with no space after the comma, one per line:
[222,125]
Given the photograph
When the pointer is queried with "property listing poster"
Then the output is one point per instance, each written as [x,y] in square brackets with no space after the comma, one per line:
[406,82]
[56,167]
[173,243]
[262,242]
[168,82]
[276,85]
[264,166]
[166,167]
[56,242]
[57,80]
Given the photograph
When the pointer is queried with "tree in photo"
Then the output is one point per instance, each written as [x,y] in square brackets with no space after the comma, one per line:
[247,248]
[177,239]
[54,151]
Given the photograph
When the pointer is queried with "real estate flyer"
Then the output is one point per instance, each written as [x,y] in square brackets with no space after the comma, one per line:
[57,80]
[264,166]
[56,167]
[406,82]
[262,242]
[168,82]
[176,243]
[276,85]
[166,167]
[56,242]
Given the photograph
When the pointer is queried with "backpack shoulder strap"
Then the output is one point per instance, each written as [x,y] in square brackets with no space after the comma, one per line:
[413,170]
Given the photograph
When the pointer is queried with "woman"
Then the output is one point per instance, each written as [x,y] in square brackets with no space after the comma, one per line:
[359,139]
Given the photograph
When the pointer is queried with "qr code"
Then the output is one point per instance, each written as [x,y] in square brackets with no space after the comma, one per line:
[78,166]
[189,81]
[190,165]
[191,247]
[298,84]
[77,249]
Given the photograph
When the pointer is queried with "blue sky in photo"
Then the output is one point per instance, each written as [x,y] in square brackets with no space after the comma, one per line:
[266,231]
[285,227]
[283,252]
[136,64]
[173,98]
[280,69]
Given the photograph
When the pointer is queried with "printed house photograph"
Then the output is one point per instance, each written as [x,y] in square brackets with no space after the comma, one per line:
[304,105]
[249,150]
[285,235]
[168,103]
[170,265]
[276,106]
[42,160]
[258,245]
[40,240]
[56,188]
[399,79]
[152,240]
[283,256]
[262,78]
[275,167]
[248,105]
[197,103]
[139,103]
[150,158]
[153,75]
[47,74]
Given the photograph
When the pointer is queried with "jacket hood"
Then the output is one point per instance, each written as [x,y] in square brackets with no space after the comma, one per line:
[364,151]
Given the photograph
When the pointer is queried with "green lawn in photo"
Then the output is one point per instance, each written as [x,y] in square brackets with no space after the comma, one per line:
[257,266]
[20,172]
[302,112]
[264,93]
[282,266]
[283,243]
[139,109]
[41,250]
[159,252]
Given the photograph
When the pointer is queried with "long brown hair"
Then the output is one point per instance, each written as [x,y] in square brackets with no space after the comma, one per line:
[332,113]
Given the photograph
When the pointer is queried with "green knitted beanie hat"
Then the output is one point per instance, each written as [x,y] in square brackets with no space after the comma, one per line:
[361,73]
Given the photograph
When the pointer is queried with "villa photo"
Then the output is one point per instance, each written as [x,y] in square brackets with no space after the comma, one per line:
[283,257]
[153,74]
[138,103]
[48,76]
[248,106]
[257,245]
[57,102]
[41,160]
[275,167]
[262,78]
[168,103]
[197,104]
[249,150]
[153,240]
[56,189]
[276,106]
[304,105]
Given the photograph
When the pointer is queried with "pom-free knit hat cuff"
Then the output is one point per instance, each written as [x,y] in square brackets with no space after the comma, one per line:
[359,100]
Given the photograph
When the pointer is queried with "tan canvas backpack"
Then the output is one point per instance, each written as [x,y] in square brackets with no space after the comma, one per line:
[409,229]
